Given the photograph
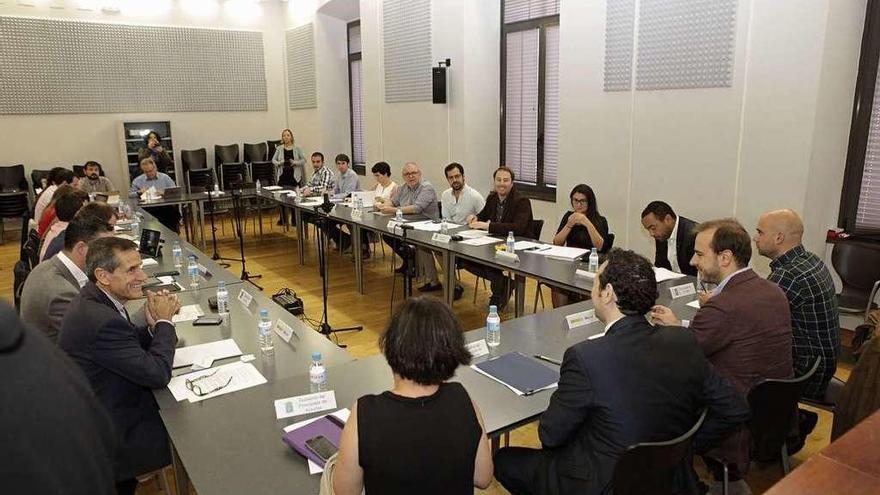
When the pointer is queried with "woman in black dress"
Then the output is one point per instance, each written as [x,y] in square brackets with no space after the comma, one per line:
[583,227]
[425,435]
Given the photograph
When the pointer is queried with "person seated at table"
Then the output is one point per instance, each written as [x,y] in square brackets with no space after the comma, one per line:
[101,211]
[673,237]
[289,162]
[582,227]
[321,180]
[346,183]
[458,203]
[505,211]
[58,176]
[414,197]
[124,362]
[168,215]
[66,208]
[50,214]
[636,383]
[94,182]
[385,187]
[153,149]
[426,435]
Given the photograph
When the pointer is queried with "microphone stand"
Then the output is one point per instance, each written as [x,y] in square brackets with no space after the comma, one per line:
[409,261]
[237,211]
[216,256]
[322,215]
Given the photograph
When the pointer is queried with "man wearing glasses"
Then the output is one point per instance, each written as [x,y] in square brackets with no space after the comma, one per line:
[124,361]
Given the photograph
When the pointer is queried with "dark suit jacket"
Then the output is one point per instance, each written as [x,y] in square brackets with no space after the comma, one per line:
[636,384]
[745,331]
[517,215]
[684,247]
[56,436]
[123,363]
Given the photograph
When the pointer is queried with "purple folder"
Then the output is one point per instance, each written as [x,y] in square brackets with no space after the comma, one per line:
[329,427]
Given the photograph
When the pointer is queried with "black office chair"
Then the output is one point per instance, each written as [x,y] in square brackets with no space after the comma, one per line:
[30,251]
[858,264]
[231,173]
[39,180]
[264,172]
[201,180]
[13,205]
[193,160]
[271,144]
[12,179]
[255,152]
[227,153]
[649,468]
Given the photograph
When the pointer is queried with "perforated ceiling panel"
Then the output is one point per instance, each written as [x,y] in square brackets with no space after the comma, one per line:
[406,28]
[52,66]
[685,44]
[301,85]
[619,20]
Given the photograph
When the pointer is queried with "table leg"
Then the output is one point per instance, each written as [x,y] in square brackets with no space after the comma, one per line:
[495,443]
[181,477]
[260,215]
[357,249]
[449,270]
[300,235]
[520,282]
[202,226]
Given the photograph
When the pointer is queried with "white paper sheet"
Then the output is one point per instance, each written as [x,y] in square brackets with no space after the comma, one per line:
[663,274]
[482,241]
[368,197]
[272,188]
[244,375]
[520,245]
[166,279]
[471,234]
[305,404]
[342,414]
[187,313]
[146,261]
[694,304]
[562,252]
[185,356]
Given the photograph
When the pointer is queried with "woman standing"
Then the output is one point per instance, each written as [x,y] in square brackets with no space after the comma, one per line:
[289,163]
[583,227]
[154,149]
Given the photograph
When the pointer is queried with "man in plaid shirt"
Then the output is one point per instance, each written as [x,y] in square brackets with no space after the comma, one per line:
[808,285]
[322,178]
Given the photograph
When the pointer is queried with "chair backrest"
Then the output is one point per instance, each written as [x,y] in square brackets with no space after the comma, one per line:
[857,263]
[14,205]
[225,153]
[649,468]
[272,144]
[39,180]
[193,159]
[263,172]
[12,178]
[255,152]
[31,249]
[773,403]
[609,243]
[537,227]
[231,173]
[201,179]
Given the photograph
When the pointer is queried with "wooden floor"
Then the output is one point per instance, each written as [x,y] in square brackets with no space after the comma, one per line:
[275,258]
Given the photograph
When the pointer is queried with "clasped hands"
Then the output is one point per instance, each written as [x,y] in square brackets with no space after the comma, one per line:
[161,305]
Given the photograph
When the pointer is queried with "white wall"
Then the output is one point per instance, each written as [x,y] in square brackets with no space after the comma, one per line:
[44,141]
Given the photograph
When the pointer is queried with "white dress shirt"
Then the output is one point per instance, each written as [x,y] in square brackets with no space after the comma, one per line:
[671,249]
[74,270]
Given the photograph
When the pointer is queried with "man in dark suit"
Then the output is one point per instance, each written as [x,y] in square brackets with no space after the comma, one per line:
[743,325]
[637,383]
[505,211]
[122,361]
[673,237]
[51,286]
[57,438]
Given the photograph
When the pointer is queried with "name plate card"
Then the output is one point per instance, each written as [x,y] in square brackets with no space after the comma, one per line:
[444,238]
[478,348]
[580,319]
[283,330]
[682,290]
[305,404]
[245,297]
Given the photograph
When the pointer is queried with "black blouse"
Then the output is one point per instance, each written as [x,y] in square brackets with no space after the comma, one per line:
[579,236]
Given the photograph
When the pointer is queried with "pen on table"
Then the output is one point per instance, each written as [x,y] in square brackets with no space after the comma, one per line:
[548,359]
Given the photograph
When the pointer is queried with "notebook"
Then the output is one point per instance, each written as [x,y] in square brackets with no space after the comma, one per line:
[519,373]
[329,426]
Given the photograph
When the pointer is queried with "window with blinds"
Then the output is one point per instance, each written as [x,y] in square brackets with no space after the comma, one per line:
[355,96]
[530,94]
[868,211]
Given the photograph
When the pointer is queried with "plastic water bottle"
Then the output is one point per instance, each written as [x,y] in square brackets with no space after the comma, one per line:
[594,261]
[222,299]
[317,374]
[192,269]
[399,215]
[177,254]
[259,187]
[264,329]
[493,327]
[136,227]
[444,227]
[511,242]
[216,188]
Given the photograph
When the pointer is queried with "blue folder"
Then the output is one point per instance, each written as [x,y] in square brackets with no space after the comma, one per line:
[521,373]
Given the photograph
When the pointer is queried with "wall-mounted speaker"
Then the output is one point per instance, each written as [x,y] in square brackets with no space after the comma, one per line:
[438,78]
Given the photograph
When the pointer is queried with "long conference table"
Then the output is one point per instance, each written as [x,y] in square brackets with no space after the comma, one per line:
[232,443]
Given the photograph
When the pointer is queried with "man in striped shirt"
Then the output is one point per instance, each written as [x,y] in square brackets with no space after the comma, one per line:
[322,179]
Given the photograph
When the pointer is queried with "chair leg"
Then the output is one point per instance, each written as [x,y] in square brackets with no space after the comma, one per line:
[786,465]
[537,293]
[725,483]
[476,286]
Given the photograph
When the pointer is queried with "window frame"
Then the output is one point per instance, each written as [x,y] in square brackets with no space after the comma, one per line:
[541,190]
[863,106]
[359,168]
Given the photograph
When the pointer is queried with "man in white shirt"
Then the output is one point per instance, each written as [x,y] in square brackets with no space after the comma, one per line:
[459,202]
[51,286]
[673,237]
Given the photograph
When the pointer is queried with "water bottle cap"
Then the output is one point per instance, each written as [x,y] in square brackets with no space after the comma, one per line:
[316,356]
[493,309]
[264,313]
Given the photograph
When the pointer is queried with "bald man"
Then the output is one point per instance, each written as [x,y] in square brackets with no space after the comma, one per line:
[808,285]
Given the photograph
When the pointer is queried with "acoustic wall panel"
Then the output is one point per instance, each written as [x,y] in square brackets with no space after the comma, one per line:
[50,66]
[619,25]
[685,44]
[301,85]
[406,28]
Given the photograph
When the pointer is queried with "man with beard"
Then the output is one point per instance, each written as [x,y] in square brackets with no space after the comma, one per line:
[459,202]
[94,182]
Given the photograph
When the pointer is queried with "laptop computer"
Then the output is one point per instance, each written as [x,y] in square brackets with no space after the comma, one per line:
[173,193]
